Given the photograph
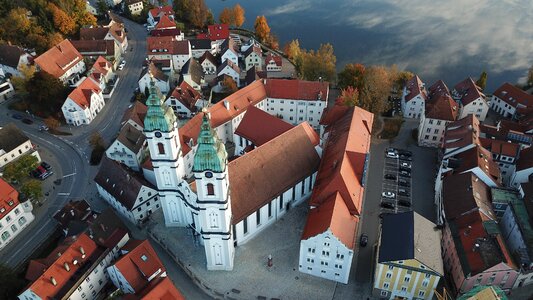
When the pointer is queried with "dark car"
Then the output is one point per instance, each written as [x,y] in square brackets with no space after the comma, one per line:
[405,157]
[388,205]
[27,121]
[390,176]
[17,116]
[35,174]
[403,182]
[405,152]
[404,203]
[46,166]
[403,192]
[404,169]
[364,240]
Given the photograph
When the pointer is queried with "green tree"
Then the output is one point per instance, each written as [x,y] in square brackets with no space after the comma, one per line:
[351,75]
[19,82]
[482,81]
[199,14]
[46,91]
[262,30]
[402,78]
[96,140]
[319,64]
[20,168]
[32,189]
[377,86]
[10,283]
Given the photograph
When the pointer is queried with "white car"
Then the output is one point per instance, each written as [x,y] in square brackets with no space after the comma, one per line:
[388,195]
[391,154]
[405,164]
[122,64]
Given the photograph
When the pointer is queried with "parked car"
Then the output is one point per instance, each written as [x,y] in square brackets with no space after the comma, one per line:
[364,240]
[403,182]
[17,116]
[27,121]
[121,65]
[390,176]
[390,149]
[405,152]
[46,166]
[391,154]
[404,169]
[405,157]
[405,164]
[404,203]
[405,173]
[388,195]
[43,128]
[388,205]
[403,192]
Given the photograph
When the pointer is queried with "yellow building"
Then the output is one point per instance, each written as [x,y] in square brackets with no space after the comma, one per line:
[408,262]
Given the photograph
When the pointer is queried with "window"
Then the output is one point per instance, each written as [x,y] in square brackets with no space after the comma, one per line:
[406,279]
[79,288]
[210,189]
[5,236]
[258,217]
[438,122]
[426,137]
[245,225]
[161,148]
[425,283]
[428,130]
[8,219]
[388,275]
[391,267]
[430,121]
[384,293]
[83,295]
[269,209]
[436,131]
[434,138]
[22,221]
[404,288]
[421,294]
[385,285]
[428,275]
[13,228]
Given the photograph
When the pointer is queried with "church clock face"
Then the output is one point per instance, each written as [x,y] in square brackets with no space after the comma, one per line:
[208,174]
[158,134]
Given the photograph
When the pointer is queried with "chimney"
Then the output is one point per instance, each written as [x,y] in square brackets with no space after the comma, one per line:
[72,212]
[53,280]
[82,251]
[475,248]
[67,267]
[226,104]
[75,262]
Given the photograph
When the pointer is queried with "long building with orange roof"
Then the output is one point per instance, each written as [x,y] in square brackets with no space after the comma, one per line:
[14,214]
[62,61]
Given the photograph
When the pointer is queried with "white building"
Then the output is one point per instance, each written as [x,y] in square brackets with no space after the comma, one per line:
[524,167]
[209,63]
[135,6]
[253,57]
[14,144]
[414,98]
[273,63]
[161,80]
[230,69]
[6,88]
[508,99]
[156,13]
[471,99]
[185,100]
[62,61]
[169,48]
[200,46]
[439,111]
[14,215]
[83,103]
[13,59]
[228,51]
[127,192]
[129,148]
[193,74]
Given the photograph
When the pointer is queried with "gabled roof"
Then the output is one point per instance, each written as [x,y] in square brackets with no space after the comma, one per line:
[253,49]
[276,58]
[194,69]
[260,176]
[139,264]
[228,63]
[478,157]
[500,147]
[333,113]
[173,32]
[81,95]
[120,182]
[344,158]
[73,211]
[466,193]
[9,198]
[415,87]
[208,56]
[136,113]
[162,10]
[165,23]
[10,55]
[200,44]
[170,45]
[260,127]
[467,91]
[296,89]
[439,88]
[513,95]
[335,217]
[89,47]
[101,65]
[188,96]
[11,137]
[131,138]
[157,289]
[442,107]
[215,32]
[156,72]
[525,160]
[462,133]
[59,59]
[93,33]
[222,112]
[228,44]
[407,236]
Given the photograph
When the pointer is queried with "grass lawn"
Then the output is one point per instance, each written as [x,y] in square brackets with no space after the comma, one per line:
[391,127]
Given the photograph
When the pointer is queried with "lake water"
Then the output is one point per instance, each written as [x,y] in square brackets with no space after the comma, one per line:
[436,39]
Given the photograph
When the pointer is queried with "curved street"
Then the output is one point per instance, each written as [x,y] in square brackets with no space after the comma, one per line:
[69,158]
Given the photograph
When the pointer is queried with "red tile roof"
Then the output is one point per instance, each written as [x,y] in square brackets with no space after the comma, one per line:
[439,88]
[59,59]
[167,45]
[332,215]
[464,193]
[343,160]
[442,108]
[69,254]
[513,95]
[9,198]
[260,127]
[332,114]
[139,264]
[415,87]
[237,103]
[166,10]
[81,95]
[499,147]
[165,23]
[159,289]
[187,95]
[165,32]
[136,113]
[260,176]
[479,157]
[462,133]
[215,32]
[101,65]
[276,58]
[467,91]
[297,89]
[89,47]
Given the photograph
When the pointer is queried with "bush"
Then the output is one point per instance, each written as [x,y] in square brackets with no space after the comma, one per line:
[391,127]
[97,154]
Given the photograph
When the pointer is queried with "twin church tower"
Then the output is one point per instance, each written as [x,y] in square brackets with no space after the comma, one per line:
[208,210]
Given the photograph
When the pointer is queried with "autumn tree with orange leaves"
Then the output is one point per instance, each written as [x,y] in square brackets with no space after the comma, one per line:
[238,15]
[232,16]
[262,30]
[226,16]
[62,21]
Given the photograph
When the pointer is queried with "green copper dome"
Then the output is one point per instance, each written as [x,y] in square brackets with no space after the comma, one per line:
[211,153]
[158,116]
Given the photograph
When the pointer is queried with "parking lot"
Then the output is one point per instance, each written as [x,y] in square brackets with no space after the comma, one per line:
[396,184]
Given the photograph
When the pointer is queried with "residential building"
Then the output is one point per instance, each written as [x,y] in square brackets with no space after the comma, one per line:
[13,59]
[160,289]
[414,98]
[134,6]
[160,79]
[134,115]
[115,32]
[92,49]
[155,14]
[253,57]
[83,103]
[193,74]
[408,261]
[169,48]
[138,266]
[167,27]
[6,88]
[185,101]
[15,214]
[215,32]
[471,99]
[14,144]
[209,63]
[230,69]
[524,167]
[62,61]
[273,63]
[76,269]
[440,109]
[508,100]
[75,217]
[126,191]
[129,148]
[200,46]
[328,240]
[102,73]
[296,101]
[228,51]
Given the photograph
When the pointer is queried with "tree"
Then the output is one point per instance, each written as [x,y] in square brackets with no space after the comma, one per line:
[19,82]
[47,91]
[96,140]
[226,16]
[319,64]
[210,18]
[377,85]
[32,189]
[199,13]
[351,75]
[402,78]
[86,19]
[20,168]
[15,25]
[238,15]
[10,283]
[530,76]
[52,123]
[229,84]
[349,97]
[262,30]
[62,20]
[272,41]
[292,49]
[482,81]
[102,7]
[54,39]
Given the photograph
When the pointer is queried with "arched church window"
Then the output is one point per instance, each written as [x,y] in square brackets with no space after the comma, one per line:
[210,189]
[161,148]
